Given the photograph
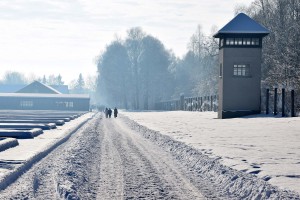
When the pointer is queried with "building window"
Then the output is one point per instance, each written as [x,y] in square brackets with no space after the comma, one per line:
[240,42]
[246,41]
[69,104]
[229,41]
[65,104]
[221,70]
[26,103]
[255,41]
[241,70]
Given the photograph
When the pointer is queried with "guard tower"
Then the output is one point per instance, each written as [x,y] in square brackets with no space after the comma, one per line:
[240,52]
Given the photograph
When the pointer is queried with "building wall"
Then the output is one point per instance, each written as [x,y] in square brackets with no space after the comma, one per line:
[239,93]
[220,93]
[27,103]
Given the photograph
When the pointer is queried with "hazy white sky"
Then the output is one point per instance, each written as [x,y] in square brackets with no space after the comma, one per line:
[65,36]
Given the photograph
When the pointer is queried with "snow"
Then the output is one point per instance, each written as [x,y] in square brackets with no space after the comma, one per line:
[265,146]
[6,143]
[228,159]
[30,151]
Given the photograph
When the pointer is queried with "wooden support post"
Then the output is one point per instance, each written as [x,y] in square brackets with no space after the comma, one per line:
[283,102]
[293,103]
[275,101]
[267,101]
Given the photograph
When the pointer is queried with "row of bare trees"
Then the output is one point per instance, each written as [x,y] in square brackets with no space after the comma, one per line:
[281,49]
[196,73]
[139,71]
[79,85]
[133,73]
[18,78]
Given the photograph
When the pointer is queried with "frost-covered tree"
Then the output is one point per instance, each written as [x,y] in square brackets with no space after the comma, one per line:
[134,73]
[77,86]
[54,80]
[44,80]
[281,48]
[196,73]
[114,81]
[154,76]
[133,45]
[14,78]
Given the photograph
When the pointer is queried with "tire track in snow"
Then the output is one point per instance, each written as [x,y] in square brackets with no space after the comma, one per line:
[149,172]
[111,170]
[106,159]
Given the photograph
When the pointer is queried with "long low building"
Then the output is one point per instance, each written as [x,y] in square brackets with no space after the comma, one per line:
[27,101]
[38,96]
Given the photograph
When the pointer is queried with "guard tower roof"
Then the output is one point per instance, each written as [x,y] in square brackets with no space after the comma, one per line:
[242,24]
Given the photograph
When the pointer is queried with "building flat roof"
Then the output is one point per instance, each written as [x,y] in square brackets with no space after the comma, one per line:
[242,24]
[38,95]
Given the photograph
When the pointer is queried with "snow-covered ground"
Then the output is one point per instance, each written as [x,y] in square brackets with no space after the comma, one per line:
[16,160]
[120,158]
[262,145]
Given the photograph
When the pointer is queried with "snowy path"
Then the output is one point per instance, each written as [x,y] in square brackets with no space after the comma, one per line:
[106,159]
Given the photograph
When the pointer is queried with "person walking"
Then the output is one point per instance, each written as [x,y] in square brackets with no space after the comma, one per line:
[106,112]
[115,112]
[109,113]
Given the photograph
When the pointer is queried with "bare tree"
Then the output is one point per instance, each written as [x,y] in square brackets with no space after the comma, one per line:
[14,78]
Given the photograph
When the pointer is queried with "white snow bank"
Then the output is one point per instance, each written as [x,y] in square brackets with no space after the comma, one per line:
[263,146]
[6,143]
[15,161]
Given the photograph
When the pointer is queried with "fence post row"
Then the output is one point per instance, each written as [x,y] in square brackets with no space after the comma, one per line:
[293,103]
[267,101]
[211,103]
[275,101]
[196,103]
[282,102]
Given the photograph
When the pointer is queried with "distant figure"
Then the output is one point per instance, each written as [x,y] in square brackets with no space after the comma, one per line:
[109,113]
[115,112]
[106,112]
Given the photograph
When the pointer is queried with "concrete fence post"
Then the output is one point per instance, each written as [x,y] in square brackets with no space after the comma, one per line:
[275,101]
[267,101]
[181,102]
[211,103]
[201,102]
[282,102]
[293,103]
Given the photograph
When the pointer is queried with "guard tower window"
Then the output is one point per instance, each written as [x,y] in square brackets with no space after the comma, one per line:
[221,70]
[246,41]
[255,41]
[241,70]
[229,41]
[240,42]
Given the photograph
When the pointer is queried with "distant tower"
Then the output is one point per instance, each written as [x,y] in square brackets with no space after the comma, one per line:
[240,52]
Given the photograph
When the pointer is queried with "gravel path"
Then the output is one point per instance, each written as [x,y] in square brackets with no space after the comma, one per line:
[106,159]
